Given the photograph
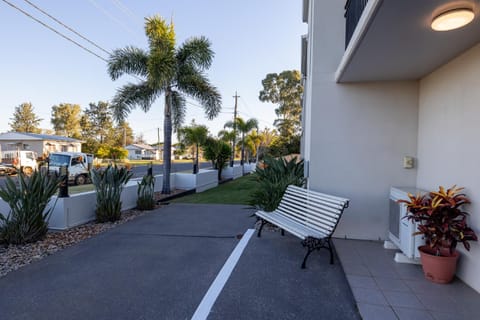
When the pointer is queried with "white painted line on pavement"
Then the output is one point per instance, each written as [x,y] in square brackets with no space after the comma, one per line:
[213,292]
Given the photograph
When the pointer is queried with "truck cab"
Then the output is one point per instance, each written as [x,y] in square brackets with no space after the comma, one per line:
[78,165]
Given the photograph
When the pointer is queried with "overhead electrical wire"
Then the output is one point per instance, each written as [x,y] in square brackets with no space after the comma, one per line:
[54,30]
[67,27]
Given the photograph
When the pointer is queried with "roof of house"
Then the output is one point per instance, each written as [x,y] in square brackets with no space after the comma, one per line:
[140,146]
[15,136]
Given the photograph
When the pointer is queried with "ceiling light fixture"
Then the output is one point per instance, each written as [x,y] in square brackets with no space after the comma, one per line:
[452,19]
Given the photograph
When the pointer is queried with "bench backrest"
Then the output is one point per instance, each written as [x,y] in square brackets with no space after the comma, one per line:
[314,209]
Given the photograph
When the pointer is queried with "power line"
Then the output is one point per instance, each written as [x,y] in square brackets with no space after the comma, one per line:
[106,13]
[67,27]
[120,5]
[54,30]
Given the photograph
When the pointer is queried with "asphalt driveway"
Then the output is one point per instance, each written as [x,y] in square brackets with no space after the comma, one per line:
[159,266]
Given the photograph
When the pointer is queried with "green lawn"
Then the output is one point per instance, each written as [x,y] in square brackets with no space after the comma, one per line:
[82,188]
[233,192]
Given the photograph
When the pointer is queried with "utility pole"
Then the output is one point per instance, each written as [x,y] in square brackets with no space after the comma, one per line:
[234,129]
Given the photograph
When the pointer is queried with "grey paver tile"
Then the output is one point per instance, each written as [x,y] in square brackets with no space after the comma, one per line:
[375,312]
[361,282]
[412,314]
[371,296]
[402,299]
[391,284]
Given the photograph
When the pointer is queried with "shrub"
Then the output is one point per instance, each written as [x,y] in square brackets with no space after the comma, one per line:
[145,193]
[27,220]
[273,177]
[109,184]
[218,152]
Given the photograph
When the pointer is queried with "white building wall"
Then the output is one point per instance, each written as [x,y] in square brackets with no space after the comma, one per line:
[356,134]
[448,140]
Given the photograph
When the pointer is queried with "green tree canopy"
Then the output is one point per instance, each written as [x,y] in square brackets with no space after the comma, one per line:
[24,119]
[175,72]
[285,90]
[194,135]
[66,120]
[244,127]
[218,152]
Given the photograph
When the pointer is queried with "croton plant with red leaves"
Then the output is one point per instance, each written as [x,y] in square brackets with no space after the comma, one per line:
[441,219]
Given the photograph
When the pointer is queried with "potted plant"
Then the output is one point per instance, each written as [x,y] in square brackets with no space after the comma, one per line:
[443,225]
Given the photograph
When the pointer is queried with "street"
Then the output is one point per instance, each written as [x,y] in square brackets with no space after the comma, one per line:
[141,170]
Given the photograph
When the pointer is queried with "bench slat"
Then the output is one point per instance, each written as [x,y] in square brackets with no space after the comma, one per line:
[289,225]
[303,212]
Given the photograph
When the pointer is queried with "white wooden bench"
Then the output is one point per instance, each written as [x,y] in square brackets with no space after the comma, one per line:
[309,215]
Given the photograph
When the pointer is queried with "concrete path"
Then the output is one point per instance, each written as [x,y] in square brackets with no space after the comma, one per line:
[160,266]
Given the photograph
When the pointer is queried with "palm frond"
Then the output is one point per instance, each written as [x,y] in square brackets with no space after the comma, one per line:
[196,52]
[178,109]
[130,96]
[197,86]
[129,60]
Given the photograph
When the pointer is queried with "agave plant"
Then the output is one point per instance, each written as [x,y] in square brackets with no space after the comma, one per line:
[109,184]
[273,177]
[145,193]
[27,220]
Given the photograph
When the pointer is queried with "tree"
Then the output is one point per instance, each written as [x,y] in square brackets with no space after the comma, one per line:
[165,69]
[244,127]
[100,121]
[253,141]
[66,120]
[217,151]
[286,90]
[24,119]
[194,135]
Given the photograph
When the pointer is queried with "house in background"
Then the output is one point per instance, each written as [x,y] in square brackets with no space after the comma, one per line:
[42,144]
[382,86]
[139,151]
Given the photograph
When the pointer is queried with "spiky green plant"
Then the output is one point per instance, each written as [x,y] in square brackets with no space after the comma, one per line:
[109,185]
[27,220]
[146,193]
[273,177]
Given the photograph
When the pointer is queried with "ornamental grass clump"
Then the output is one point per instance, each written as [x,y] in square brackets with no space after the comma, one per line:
[30,210]
[109,185]
[146,193]
[442,222]
[273,177]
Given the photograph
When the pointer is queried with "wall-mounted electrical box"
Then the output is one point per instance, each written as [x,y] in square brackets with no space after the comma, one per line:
[408,162]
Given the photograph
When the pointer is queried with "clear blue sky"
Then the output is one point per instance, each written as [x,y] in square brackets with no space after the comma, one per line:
[250,38]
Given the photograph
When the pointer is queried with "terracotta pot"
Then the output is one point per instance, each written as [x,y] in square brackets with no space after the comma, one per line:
[438,269]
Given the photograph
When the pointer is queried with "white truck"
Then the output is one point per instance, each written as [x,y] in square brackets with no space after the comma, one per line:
[12,161]
[78,165]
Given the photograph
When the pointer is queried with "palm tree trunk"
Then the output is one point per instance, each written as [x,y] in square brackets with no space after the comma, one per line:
[243,153]
[167,144]
[195,165]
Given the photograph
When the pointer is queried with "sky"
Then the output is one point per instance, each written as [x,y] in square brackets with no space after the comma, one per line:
[250,38]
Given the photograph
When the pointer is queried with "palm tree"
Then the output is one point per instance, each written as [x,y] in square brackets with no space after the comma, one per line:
[164,69]
[244,127]
[194,135]
[254,141]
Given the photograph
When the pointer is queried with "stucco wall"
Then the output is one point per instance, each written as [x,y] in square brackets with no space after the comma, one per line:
[448,140]
[356,135]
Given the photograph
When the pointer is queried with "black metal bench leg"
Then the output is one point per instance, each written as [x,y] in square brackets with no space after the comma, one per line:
[283,232]
[330,249]
[304,263]
[259,234]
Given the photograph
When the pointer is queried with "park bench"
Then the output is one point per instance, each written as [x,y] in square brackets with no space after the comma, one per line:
[309,215]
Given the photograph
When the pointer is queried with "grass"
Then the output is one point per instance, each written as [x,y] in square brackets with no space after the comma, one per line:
[233,192]
[80,189]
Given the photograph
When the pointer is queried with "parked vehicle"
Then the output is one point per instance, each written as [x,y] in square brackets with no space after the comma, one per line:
[12,161]
[78,165]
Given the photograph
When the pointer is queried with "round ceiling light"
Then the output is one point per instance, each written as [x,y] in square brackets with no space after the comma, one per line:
[452,19]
